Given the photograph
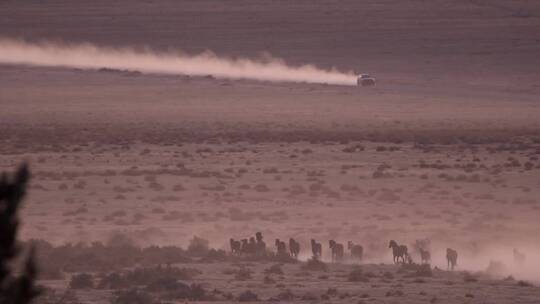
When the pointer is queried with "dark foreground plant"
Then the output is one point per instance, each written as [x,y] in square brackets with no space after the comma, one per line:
[14,289]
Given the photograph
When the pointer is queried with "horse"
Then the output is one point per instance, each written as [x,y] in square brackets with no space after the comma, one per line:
[357,251]
[244,249]
[316,249]
[451,258]
[259,236]
[260,245]
[281,247]
[337,250]
[294,248]
[236,246]
[399,251]
[519,258]
[425,256]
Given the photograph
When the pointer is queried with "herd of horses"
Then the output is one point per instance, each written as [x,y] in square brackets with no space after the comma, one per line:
[255,246]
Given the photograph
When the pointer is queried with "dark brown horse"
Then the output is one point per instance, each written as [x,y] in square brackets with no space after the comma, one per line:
[357,251]
[451,258]
[316,249]
[399,251]
[338,251]
[425,256]
[236,246]
[294,248]
[281,247]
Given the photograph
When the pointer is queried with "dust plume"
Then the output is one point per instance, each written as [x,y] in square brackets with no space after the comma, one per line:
[88,56]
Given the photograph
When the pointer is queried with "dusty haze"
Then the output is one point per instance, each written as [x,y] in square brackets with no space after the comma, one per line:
[128,138]
[89,56]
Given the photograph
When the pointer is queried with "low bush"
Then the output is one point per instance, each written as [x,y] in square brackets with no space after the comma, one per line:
[357,275]
[274,269]
[198,247]
[417,270]
[242,274]
[133,296]
[248,296]
[469,278]
[81,281]
[314,265]
[148,277]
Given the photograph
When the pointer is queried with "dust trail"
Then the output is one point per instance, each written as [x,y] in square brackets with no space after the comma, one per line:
[88,56]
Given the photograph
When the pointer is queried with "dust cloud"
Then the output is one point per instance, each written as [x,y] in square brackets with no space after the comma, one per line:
[89,56]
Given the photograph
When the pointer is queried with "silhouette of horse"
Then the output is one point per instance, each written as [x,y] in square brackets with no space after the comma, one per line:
[316,249]
[422,246]
[519,258]
[259,236]
[244,249]
[451,258]
[399,251]
[252,248]
[338,250]
[281,247]
[260,246]
[236,246]
[294,248]
[357,251]
[425,256]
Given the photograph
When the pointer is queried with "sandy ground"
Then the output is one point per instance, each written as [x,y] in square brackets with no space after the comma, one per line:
[445,147]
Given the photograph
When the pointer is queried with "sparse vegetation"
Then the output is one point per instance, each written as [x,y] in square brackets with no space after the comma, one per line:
[357,275]
[248,296]
[314,265]
[81,281]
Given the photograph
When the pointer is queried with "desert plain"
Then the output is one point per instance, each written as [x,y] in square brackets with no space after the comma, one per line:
[445,147]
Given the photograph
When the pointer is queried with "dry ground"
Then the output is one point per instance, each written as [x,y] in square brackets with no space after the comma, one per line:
[446,146]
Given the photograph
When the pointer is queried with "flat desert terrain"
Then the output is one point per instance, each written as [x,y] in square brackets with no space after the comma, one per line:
[444,148]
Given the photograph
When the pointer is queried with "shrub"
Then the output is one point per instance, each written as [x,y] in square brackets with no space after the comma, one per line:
[424,270]
[357,276]
[81,281]
[165,284]
[242,274]
[248,296]
[309,297]
[388,275]
[286,295]
[496,268]
[198,246]
[113,281]
[194,292]
[332,291]
[274,269]
[524,284]
[419,270]
[396,293]
[50,272]
[133,296]
[215,255]
[315,265]
[269,280]
[467,277]
[354,148]
[148,277]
